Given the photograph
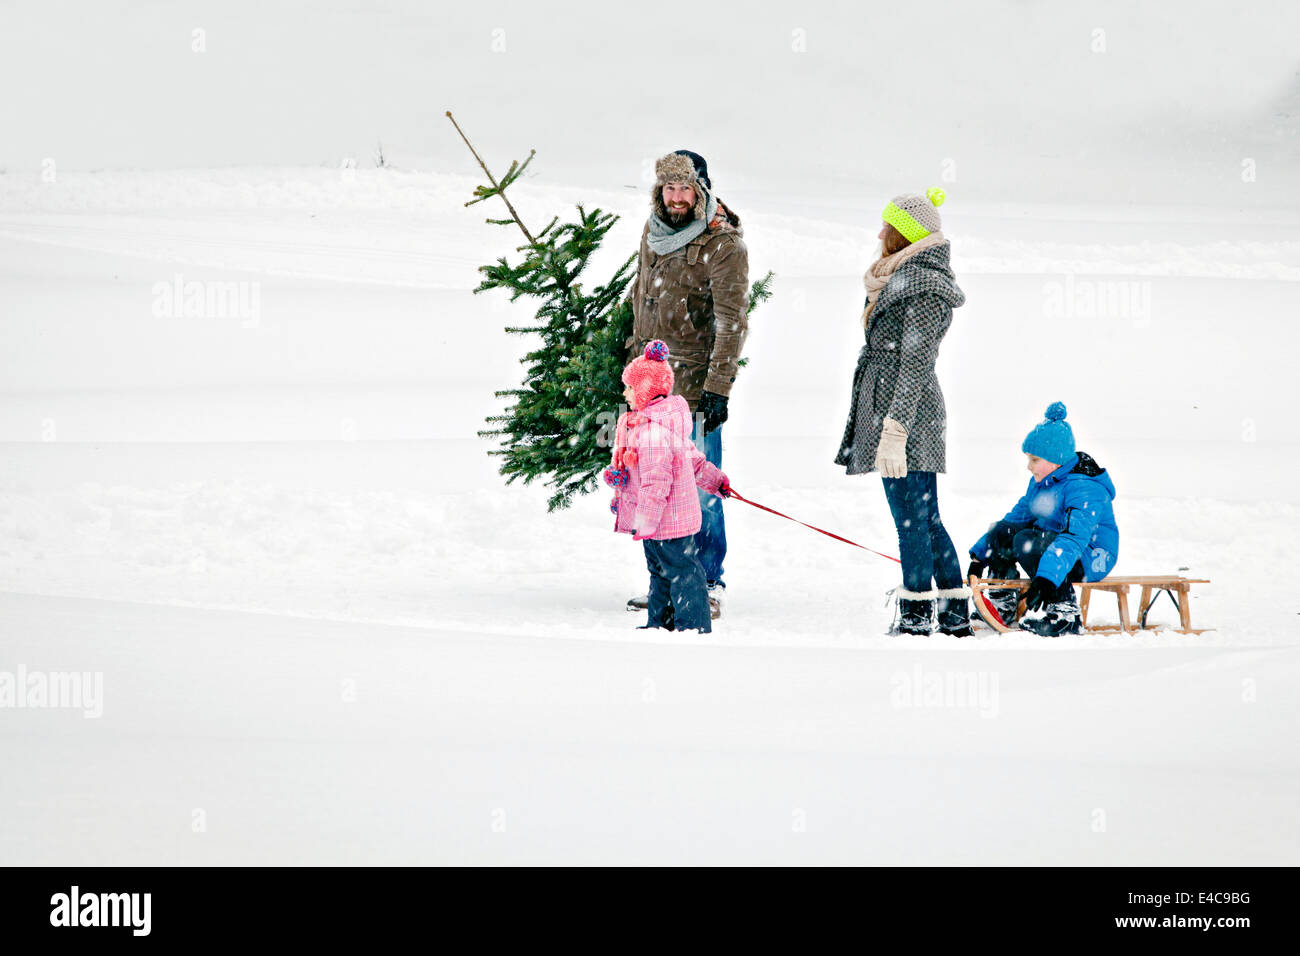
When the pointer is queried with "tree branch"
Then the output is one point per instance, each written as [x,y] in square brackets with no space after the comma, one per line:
[499,189]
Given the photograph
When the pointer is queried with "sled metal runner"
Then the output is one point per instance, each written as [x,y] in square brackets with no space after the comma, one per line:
[1153,585]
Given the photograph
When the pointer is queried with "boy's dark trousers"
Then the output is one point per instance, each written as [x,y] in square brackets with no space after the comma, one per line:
[1010,543]
[679,595]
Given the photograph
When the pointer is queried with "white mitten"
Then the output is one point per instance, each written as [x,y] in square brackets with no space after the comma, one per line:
[891,455]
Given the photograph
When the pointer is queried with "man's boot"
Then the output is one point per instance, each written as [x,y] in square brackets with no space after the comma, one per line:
[717,599]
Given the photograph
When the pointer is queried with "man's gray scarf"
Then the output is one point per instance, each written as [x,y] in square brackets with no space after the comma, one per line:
[664,239]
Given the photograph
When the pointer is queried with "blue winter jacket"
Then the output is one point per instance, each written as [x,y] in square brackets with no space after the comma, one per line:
[1074,501]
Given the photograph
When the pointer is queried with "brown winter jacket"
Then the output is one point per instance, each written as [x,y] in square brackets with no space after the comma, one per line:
[695,300]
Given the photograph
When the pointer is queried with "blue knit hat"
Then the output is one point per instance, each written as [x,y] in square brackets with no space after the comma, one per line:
[1051,439]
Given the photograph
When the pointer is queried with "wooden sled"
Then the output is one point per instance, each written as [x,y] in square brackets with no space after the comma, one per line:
[1153,585]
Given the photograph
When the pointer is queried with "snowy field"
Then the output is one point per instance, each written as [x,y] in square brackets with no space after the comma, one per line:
[323,621]
[317,628]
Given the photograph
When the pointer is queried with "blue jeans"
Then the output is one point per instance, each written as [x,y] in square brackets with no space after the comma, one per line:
[679,599]
[712,536]
[923,543]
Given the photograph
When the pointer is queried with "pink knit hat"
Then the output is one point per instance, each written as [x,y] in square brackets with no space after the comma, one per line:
[649,375]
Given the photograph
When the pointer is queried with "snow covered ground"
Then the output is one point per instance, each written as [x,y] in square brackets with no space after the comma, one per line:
[328,742]
[328,631]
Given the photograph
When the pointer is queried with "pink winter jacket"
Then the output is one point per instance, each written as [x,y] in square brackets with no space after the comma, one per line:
[654,444]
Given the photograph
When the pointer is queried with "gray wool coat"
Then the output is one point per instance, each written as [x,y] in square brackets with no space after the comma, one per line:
[895,373]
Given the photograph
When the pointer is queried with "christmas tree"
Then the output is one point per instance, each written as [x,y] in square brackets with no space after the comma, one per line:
[560,425]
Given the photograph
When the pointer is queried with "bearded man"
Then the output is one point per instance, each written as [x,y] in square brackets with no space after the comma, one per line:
[692,291]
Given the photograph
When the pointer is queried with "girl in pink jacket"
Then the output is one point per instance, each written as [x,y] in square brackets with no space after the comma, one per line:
[655,472]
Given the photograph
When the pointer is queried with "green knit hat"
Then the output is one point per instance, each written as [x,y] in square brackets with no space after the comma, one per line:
[915,216]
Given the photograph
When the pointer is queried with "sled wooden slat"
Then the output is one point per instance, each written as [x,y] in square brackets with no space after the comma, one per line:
[1116,629]
[1176,585]
[1146,579]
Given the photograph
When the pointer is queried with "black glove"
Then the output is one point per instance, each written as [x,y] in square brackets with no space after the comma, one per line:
[713,409]
[975,570]
[1040,590]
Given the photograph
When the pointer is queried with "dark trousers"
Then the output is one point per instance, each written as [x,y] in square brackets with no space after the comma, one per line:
[1011,543]
[679,596]
[924,546]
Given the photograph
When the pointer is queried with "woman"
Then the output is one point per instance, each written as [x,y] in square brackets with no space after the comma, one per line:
[897,421]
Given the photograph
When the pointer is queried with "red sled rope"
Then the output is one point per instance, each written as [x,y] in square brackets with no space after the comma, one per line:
[733,493]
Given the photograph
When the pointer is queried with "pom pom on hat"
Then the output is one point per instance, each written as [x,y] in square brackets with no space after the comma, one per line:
[649,374]
[1056,412]
[935,195]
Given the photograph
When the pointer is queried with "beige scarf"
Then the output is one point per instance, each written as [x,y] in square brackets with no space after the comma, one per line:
[884,267]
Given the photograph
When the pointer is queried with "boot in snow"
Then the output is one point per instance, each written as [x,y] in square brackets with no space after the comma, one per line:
[1054,619]
[717,600]
[952,612]
[667,620]
[915,613]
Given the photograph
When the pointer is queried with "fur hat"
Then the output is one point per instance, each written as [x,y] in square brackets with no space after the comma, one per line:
[650,374]
[1052,439]
[701,166]
[681,166]
[915,216]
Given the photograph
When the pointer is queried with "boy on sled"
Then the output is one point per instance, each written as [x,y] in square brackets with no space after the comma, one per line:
[1061,531]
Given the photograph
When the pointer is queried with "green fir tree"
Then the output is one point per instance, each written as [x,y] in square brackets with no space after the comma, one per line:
[560,426]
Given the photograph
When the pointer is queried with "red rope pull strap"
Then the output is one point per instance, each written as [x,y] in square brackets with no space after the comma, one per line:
[733,493]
